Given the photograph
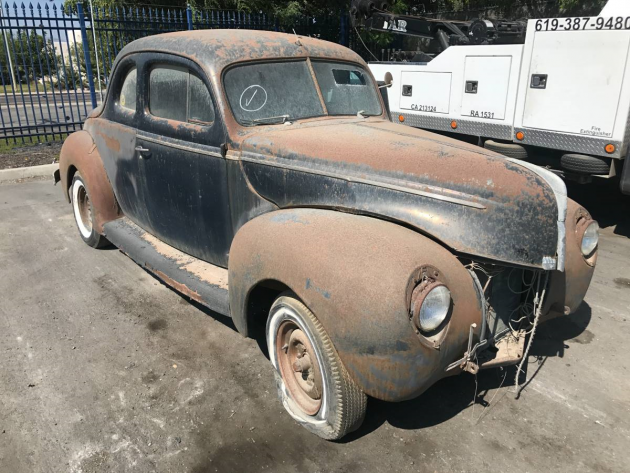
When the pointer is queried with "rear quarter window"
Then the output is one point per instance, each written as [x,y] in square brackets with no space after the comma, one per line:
[128,91]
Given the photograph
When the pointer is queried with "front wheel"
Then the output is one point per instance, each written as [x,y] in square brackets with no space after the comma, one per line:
[313,384]
[84,214]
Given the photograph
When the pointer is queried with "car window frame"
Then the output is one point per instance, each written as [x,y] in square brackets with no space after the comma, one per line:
[212,134]
[366,72]
[123,78]
[309,61]
[235,65]
[112,110]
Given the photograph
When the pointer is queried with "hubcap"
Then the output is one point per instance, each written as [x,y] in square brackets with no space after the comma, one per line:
[299,367]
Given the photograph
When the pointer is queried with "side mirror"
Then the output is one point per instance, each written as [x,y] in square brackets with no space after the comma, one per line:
[389,79]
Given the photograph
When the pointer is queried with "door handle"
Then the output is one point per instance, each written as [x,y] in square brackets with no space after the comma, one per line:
[539,81]
[142,151]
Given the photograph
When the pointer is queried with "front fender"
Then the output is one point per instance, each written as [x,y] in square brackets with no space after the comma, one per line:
[79,153]
[567,289]
[357,274]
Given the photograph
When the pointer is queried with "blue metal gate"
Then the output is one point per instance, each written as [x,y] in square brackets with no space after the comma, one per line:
[55,63]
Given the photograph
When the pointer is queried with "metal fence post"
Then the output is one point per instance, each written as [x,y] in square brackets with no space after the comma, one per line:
[86,54]
[343,27]
[189,17]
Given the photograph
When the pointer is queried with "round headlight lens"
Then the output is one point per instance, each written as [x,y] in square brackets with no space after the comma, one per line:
[434,308]
[590,239]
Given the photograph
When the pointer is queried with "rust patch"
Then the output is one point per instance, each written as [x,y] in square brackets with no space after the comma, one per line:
[167,250]
[370,268]
[206,272]
[111,142]
[78,151]
[178,286]
[381,149]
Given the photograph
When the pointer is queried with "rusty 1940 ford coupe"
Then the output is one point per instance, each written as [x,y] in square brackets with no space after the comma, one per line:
[258,174]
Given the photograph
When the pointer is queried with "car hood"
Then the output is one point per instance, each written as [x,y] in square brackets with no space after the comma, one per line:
[472,200]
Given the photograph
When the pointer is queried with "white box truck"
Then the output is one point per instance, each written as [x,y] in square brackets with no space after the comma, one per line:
[560,99]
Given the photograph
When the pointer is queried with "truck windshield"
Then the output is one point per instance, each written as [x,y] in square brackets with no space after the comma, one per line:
[275,92]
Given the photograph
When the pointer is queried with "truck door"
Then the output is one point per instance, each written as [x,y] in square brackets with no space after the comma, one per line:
[574,81]
[485,89]
[428,92]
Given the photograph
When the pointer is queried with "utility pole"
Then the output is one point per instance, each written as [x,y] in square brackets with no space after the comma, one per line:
[6,47]
[98,67]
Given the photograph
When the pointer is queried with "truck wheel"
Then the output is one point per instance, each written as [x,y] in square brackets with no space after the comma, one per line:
[582,164]
[511,150]
[83,215]
[312,383]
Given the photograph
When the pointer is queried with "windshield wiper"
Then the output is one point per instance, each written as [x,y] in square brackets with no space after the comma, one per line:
[268,120]
[361,113]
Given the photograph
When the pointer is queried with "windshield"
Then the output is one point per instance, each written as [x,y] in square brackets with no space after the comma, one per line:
[347,89]
[276,92]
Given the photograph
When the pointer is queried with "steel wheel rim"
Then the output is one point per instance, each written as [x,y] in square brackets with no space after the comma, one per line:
[299,367]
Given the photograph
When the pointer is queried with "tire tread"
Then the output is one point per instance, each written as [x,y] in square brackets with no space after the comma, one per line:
[583,164]
[351,400]
[511,150]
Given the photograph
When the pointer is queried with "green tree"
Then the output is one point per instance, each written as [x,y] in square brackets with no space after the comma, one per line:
[283,9]
[26,51]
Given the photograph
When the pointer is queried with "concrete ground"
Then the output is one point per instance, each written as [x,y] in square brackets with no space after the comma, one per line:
[103,368]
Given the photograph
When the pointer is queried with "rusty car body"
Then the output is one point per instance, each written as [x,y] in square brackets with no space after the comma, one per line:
[351,226]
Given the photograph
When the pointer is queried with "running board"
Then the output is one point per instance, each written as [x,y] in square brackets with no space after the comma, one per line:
[201,281]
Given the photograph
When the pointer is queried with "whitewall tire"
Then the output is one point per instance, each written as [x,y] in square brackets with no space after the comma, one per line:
[313,385]
[83,213]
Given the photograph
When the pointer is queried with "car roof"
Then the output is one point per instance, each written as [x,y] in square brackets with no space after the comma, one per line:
[215,49]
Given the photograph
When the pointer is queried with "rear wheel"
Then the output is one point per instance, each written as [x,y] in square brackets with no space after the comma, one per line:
[583,164]
[83,213]
[511,150]
[313,385]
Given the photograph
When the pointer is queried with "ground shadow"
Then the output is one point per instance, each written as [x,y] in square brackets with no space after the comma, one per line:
[444,400]
[450,396]
[224,319]
[604,200]
[551,335]
[108,247]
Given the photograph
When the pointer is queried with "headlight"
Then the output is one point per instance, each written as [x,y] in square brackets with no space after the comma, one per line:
[431,308]
[590,239]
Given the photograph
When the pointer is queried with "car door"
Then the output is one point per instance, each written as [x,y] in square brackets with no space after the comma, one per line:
[114,133]
[179,146]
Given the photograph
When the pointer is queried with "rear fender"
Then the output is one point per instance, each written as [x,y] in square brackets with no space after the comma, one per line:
[79,153]
[357,275]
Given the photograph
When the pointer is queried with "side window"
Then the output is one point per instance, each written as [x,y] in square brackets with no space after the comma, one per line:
[128,91]
[177,94]
[167,92]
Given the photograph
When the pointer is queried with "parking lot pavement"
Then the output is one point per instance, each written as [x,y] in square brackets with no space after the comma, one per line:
[105,369]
